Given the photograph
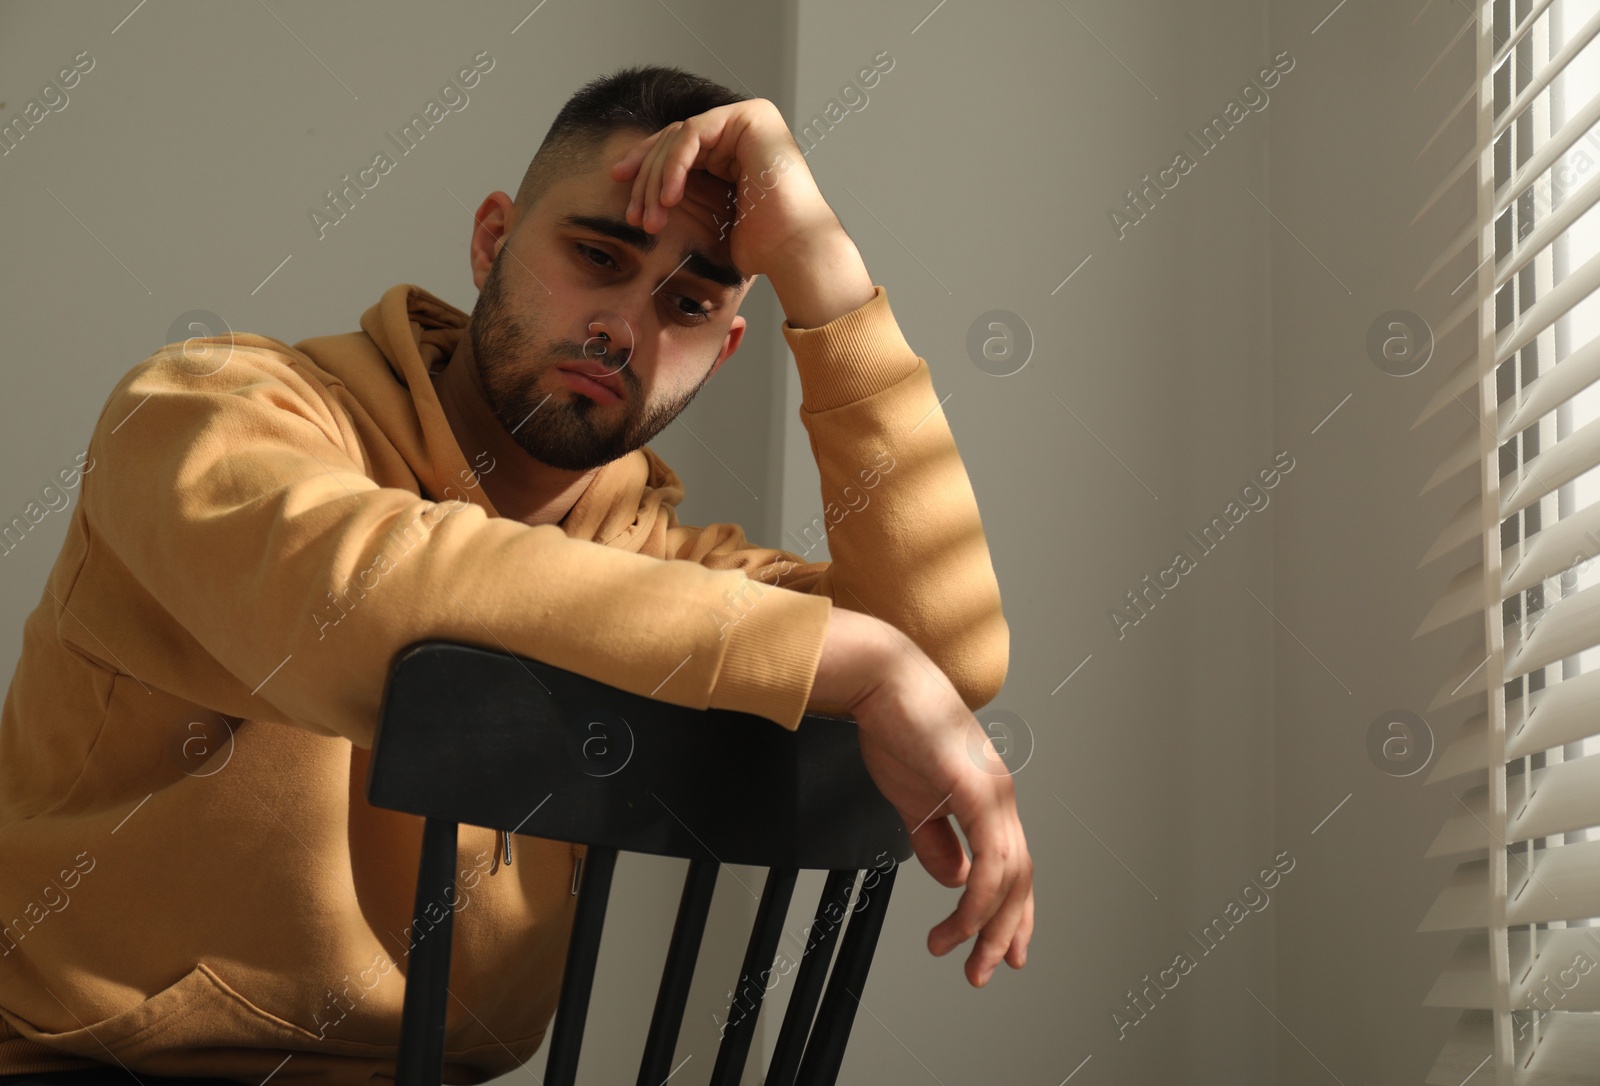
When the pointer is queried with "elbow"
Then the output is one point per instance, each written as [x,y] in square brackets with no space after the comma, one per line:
[981,689]
[985,659]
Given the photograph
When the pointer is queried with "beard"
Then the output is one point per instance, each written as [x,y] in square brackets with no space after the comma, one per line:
[564,429]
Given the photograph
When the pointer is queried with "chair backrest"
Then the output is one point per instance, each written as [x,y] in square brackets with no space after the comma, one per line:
[471,735]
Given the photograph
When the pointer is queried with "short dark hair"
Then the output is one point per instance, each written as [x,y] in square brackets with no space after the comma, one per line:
[643,98]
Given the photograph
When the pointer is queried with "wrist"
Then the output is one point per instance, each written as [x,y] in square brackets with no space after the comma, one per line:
[819,278]
[857,657]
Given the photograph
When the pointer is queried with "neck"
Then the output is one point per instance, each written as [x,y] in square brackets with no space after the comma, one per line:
[520,486]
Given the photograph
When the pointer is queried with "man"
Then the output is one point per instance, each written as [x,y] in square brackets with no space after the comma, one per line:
[195,884]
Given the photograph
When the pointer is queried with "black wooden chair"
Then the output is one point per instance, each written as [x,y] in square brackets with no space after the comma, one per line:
[475,736]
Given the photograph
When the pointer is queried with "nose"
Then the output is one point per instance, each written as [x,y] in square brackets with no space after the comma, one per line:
[611,341]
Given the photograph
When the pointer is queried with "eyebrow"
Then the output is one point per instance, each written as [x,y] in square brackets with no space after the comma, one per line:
[696,262]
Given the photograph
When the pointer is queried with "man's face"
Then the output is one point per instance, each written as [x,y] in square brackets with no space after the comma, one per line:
[571,287]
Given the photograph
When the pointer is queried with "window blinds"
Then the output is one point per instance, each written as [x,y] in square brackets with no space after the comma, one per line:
[1525,772]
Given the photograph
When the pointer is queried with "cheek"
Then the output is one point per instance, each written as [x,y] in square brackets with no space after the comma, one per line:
[533,325]
[678,375]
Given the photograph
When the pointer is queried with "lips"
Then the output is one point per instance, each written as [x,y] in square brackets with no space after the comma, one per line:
[608,379]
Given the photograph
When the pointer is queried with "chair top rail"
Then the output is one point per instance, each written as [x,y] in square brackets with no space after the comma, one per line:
[494,739]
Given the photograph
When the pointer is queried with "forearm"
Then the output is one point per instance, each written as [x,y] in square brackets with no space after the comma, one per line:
[899,513]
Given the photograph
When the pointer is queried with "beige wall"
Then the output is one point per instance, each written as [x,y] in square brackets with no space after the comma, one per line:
[1352,971]
[982,173]
[1179,760]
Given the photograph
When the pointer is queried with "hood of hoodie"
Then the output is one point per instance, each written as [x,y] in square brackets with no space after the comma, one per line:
[408,334]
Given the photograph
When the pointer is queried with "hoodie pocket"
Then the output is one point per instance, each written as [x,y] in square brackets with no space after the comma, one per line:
[129,1030]
[199,1011]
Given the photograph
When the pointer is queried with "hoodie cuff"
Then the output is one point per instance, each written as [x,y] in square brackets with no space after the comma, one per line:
[852,356]
[771,660]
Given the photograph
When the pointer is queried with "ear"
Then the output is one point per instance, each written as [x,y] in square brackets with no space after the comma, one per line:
[730,344]
[492,225]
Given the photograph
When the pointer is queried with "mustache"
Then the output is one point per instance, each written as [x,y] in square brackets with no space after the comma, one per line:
[615,358]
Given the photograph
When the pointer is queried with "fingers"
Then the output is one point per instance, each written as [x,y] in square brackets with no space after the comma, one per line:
[637,202]
[996,900]
[940,852]
[623,168]
[659,166]
[1017,955]
[987,885]
[676,170]
[999,934]
[637,164]
[670,154]
[652,184]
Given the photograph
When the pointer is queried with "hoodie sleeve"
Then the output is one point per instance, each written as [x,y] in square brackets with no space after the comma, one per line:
[898,511]
[270,577]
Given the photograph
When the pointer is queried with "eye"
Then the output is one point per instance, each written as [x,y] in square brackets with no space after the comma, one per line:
[584,251]
[696,312]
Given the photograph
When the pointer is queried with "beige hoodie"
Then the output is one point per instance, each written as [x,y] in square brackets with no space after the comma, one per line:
[193,882]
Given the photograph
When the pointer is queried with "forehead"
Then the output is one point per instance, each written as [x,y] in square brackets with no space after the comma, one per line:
[699,219]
